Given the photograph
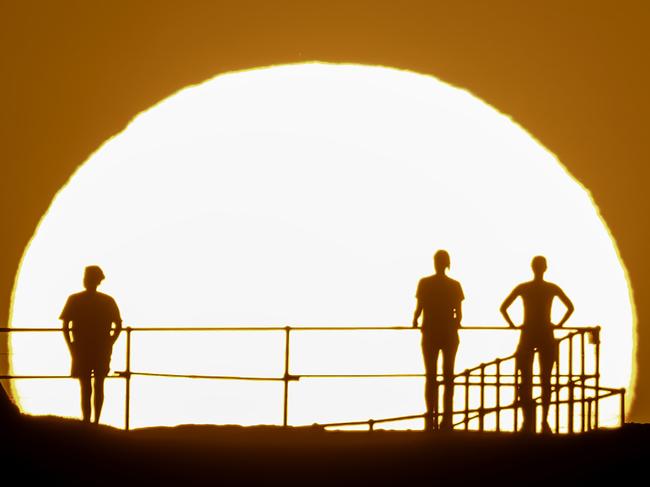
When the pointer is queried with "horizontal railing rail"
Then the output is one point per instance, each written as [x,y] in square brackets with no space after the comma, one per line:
[474,377]
[12,329]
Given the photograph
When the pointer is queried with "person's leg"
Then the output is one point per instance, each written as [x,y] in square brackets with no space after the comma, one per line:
[547,359]
[98,396]
[86,391]
[524,357]
[430,355]
[449,359]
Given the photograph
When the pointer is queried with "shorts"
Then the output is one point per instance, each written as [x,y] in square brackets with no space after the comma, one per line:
[89,361]
[440,340]
[541,341]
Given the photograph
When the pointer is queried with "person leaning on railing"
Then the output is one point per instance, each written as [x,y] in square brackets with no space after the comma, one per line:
[439,300]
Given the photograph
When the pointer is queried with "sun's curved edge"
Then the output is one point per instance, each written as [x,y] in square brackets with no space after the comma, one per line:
[632,383]
[634,373]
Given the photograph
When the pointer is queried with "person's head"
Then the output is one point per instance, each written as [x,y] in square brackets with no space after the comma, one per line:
[93,275]
[539,266]
[441,261]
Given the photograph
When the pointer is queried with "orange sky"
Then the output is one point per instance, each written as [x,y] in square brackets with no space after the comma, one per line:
[574,75]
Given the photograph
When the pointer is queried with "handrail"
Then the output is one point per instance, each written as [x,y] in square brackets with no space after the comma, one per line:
[576,331]
[480,412]
[467,378]
[196,376]
[586,328]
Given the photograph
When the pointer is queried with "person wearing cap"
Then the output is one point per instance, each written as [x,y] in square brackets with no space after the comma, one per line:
[439,300]
[91,325]
[536,335]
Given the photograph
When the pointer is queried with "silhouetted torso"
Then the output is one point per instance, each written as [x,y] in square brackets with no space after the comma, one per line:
[439,296]
[538,298]
[92,314]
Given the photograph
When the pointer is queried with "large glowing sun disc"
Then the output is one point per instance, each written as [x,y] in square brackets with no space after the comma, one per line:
[313,194]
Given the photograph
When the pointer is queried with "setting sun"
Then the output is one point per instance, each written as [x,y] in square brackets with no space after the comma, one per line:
[308,195]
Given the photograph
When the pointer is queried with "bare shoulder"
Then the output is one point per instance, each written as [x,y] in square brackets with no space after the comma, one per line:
[558,291]
[554,288]
[520,289]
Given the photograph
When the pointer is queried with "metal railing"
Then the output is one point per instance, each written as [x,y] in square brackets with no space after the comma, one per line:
[583,389]
[583,383]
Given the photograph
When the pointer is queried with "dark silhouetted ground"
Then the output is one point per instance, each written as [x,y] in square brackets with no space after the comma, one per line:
[54,451]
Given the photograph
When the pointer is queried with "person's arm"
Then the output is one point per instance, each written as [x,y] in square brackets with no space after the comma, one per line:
[506,304]
[117,330]
[418,306]
[569,307]
[65,317]
[117,320]
[416,315]
[67,333]
[458,310]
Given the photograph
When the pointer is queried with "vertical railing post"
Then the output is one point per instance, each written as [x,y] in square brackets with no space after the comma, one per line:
[583,389]
[558,380]
[286,378]
[622,407]
[127,384]
[436,403]
[517,398]
[596,338]
[498,394]
[571,408]
[481,416]
[466,399]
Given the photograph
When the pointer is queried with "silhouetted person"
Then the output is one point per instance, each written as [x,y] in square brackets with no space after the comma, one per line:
[439,300]
[536,335]
[91,324]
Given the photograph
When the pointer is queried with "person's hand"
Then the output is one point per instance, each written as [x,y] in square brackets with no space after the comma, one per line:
[415,322]
[511,325]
